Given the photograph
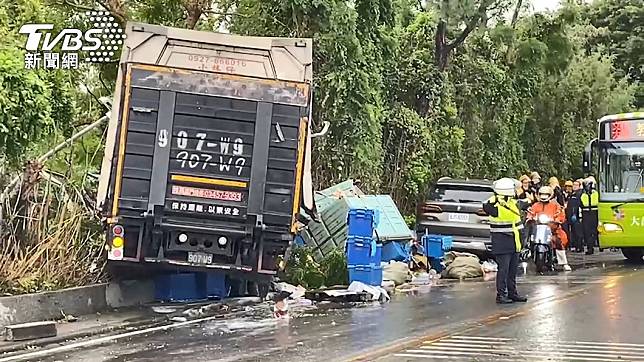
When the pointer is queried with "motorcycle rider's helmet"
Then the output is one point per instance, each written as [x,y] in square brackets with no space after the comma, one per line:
[545,193]
[590,181]
[505,187]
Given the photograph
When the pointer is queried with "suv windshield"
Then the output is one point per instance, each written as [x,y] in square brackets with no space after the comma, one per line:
[460,193]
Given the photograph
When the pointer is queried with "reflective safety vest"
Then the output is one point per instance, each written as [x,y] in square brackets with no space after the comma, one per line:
[589,202]
[508,219]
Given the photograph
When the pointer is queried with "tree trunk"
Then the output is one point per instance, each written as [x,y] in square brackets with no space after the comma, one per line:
[441,47]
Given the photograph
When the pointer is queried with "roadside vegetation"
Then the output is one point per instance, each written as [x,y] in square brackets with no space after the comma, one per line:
[414,90]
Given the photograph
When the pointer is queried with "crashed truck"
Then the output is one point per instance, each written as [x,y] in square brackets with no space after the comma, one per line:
[208,155]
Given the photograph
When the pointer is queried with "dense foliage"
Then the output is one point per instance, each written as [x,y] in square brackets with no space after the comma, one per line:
[414,90]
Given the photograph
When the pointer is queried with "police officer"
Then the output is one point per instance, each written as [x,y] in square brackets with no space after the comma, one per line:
[505,225]
[573,217]
[589,218]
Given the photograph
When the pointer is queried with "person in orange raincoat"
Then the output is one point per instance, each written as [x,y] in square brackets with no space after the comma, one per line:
[547,205]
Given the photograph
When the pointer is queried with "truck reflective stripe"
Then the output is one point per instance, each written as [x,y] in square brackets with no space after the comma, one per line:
[123,137]
[298,171]
[208,181]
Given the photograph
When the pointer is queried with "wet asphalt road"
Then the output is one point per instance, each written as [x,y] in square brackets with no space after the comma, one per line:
[565,318]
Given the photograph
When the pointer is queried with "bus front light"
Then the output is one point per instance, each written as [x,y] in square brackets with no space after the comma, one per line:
[612,228]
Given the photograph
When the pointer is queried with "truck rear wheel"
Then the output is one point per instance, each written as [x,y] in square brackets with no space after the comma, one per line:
[633,255]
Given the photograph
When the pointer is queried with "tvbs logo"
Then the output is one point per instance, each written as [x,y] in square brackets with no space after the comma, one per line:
[99,43]
[72,38]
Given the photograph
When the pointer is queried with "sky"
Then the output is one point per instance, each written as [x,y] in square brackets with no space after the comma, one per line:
[545,5]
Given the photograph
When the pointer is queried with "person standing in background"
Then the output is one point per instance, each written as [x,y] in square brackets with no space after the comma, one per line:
[568,189]
[573,217]
[590,218]
[536,183]
[525,193]
[558,194]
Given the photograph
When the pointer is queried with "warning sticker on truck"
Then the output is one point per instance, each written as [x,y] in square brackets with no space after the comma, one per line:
[209,209]
[207,194]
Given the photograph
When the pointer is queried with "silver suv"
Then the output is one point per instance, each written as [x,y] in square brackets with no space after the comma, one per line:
[455,208]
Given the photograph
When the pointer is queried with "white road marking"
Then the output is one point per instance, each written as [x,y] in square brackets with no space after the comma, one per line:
[572,345]
[102,340]
[552,341]
[551,352]
[497,348]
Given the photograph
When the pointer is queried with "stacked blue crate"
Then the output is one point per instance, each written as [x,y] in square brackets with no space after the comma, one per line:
[435,246]
[186,287]
[363,253]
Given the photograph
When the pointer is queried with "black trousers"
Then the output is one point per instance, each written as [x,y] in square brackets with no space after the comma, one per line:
[577,235]
[506,277]
[590,220]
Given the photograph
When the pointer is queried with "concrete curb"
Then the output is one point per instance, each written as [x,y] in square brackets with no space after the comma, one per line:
[20,346]
[75,301]
[49,305]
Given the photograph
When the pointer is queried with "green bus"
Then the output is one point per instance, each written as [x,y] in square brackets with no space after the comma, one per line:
[620,160]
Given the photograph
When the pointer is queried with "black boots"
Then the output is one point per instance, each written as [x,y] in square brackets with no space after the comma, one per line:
[503,299]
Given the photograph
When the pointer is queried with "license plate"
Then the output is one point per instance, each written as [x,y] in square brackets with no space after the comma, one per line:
[459,217]
[199,258]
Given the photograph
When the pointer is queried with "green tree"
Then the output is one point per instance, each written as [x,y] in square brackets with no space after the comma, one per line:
[622,36]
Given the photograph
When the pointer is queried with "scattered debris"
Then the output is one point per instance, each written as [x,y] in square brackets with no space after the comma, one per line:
[280,309]
[178,319]
[421,279]
[490,266]
[294,292]
[397,272]
[164,309]
[70,318]
[462,266]
[389,286]
[377,293]
[206,310]
[338,296]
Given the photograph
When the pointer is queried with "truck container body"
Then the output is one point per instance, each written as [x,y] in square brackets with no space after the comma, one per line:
[208,146]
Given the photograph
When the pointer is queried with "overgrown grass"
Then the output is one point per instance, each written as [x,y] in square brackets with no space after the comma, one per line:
[51,239]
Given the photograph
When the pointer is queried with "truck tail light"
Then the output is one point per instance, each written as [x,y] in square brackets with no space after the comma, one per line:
[117,230]
[118,242]
[116,251]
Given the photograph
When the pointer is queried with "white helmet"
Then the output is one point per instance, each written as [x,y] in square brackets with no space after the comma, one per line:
[505,187]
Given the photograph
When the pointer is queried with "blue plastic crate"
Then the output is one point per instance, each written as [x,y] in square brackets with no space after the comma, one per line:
[395,250]
[447,243]
[363,250]
[368,274]
[436,245]
[358,250]
[377,257]
[376,275]
[214,284]
[435,264]
[178,287]
[360,222]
